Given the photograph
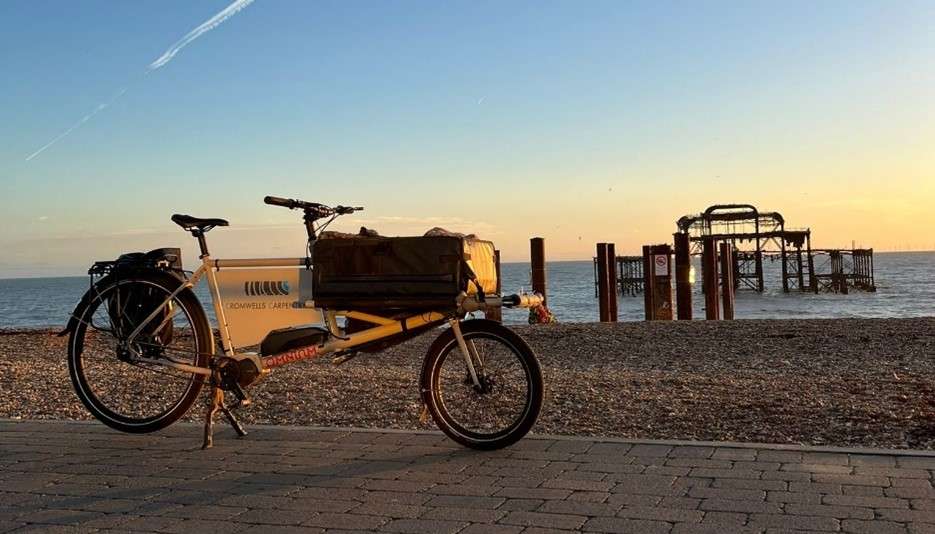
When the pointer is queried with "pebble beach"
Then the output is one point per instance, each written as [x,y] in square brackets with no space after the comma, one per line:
[841,382]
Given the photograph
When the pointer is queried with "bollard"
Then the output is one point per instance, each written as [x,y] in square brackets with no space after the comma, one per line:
[496,313]
[709,275]
[603,284]
[727,280]
[683,269]
[537,259]
[657,281]
[612,280]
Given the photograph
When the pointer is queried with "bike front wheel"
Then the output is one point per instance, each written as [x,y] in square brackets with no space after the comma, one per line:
[502,405]
[131,385]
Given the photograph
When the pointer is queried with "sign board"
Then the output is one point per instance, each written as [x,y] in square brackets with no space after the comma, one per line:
[660,265]
[256,301]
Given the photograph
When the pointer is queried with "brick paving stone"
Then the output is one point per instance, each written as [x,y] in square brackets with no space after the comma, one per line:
[580,508]
[427,526]
[684,503]
[911,516]
[833,469]
[728,493]
[701,528]
[658,513]
[793,522]
[747,484]
[473,515]
[731,453]
[857,526]
[650,450]
[862,491]
[399,511]
[494,529]
[788,496]
[868,502]
[460,501]
[840,512]
[524,505]
[274,517]
[744,507]
[345,521]
[276,529]
[626,526]
[541,519]
[533,493]
[854,480]
[589,496]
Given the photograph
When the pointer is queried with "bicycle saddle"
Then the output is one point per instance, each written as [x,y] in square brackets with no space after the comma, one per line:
[189,223]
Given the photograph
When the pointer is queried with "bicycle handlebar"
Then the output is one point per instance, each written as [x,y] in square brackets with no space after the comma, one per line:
[317,209]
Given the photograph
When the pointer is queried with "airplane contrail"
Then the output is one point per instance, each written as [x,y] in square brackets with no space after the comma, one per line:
[202,29]
[161,61]
[86,118]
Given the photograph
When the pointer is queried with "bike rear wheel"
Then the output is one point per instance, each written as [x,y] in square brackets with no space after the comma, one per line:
[108,374]
[507,403]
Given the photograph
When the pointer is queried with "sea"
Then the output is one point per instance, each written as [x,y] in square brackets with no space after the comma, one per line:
[905,284]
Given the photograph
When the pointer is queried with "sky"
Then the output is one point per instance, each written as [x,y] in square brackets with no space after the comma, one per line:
[580,122]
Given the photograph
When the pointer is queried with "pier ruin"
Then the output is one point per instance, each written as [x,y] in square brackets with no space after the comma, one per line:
[756,236]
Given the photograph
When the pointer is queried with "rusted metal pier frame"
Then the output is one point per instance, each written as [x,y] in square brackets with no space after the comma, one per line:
[839,270]
[629,275]
[737,224]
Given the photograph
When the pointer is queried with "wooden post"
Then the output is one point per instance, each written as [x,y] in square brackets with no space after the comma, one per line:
[657,278]
[727,280]
[648,285]
[709,274]
[683,269]
[603,284]
[612,280]
[537,259]
[496,313]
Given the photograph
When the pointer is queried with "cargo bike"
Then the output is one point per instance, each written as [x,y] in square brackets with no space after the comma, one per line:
[141,346]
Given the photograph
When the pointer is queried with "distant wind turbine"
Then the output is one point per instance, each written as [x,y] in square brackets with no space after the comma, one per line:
[159,62]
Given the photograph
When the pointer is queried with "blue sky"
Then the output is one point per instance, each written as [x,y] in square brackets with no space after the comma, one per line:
[579,121]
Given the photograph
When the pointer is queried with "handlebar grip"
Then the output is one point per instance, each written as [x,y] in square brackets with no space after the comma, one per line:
[276,201]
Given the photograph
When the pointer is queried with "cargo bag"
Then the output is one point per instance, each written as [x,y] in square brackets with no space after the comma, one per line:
[400,273]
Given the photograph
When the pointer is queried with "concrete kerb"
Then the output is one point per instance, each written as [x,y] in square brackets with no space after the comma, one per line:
[595,439]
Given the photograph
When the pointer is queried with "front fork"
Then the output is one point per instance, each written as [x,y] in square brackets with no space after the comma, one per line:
[469,353]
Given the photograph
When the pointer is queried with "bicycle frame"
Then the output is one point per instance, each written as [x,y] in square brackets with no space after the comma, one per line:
[383,327]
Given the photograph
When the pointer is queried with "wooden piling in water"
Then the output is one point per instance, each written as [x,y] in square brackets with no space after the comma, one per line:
[537,260]
[683,269]
[727,280]
[710,279]
[612,280]
[604,288]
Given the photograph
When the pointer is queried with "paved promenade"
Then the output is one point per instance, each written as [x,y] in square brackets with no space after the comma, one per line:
[82,477]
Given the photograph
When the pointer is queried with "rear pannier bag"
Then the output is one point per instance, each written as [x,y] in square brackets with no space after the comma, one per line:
[130,305]
[416,273]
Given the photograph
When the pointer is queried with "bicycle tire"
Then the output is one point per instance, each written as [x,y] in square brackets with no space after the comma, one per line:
[432,394]
[84,316]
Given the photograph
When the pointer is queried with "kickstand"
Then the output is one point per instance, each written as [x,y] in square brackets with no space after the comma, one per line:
[238,428]
[216,404]
[217,400]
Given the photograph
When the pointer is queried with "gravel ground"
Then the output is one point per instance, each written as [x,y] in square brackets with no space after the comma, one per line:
[847,382]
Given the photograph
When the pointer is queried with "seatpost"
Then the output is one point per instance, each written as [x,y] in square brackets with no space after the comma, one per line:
[201,242]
